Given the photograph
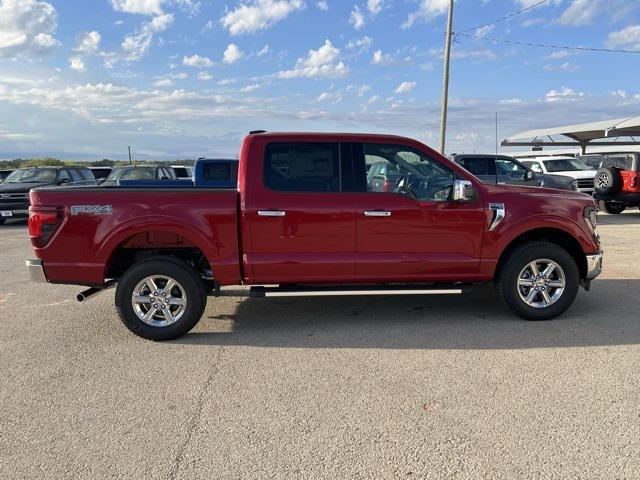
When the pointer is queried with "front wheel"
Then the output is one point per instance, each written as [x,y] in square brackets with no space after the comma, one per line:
[538,281]
[614,208]
[161,298]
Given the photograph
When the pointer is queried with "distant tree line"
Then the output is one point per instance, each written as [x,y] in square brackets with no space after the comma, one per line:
[105,162]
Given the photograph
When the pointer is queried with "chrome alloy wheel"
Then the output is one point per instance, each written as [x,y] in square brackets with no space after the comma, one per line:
[541,283]
[159,301]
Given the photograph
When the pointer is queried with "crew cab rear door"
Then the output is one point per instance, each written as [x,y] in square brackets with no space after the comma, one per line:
[300,213]
[415,232]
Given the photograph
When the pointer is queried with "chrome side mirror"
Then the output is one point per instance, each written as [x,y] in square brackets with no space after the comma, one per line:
[462,191]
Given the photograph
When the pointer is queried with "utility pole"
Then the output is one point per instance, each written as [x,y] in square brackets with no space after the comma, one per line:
[129,155]
[445,80]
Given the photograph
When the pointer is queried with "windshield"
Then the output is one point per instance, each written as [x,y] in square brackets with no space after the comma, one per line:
[33,175]
[566,165]
[132,173]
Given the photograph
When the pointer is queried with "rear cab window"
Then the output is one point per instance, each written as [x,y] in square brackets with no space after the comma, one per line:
[303,167]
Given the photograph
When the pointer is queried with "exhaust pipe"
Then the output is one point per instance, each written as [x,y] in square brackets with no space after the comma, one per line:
[93,291]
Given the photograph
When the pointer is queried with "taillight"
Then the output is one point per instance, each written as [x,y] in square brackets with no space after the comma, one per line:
[634,180]
[43,222]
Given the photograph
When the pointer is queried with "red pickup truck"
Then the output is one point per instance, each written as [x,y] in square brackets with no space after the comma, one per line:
[316,214]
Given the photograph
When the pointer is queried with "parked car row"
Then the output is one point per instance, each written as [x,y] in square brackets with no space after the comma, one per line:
[16,184]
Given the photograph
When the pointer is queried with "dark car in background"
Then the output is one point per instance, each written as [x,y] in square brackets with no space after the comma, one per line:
[100,173]
[138,172]
[14,191]
[505,170]
[4,174]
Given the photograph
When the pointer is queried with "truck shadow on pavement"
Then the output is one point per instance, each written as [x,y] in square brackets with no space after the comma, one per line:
[475,320]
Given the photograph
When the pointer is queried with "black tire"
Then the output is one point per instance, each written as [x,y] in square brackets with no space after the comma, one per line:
[507,280]
[614,208]
[2,220]
[188,280]
[607,181]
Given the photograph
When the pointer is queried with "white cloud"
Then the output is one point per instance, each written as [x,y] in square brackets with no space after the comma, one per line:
[484,31]
[356,18]
[318,63]
[88,42]
[375,6]
[144,7]
[581,12]
[510,101]
[382,59]
[360,45]
[264,51]
[559,54]
[565,94]
[628,38]
[405,87]
[136,46]
[322,5]
[205,76]
[619,93]
[26,27]
[427,10]
[565,67]
[256,15]
[250,88]
[76,63]
[197,61]
[232,54]
[163,82]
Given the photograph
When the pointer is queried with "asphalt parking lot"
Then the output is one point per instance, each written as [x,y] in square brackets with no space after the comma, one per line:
[376,388]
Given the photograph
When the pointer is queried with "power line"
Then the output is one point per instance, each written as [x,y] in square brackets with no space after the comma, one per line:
[506,17]
[545,45]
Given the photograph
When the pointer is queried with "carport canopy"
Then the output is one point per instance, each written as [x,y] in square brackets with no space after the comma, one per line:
[580,135]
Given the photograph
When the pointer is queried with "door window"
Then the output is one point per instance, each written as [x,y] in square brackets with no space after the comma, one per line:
[477,166]
[75,176]
[302,167]
[405,171]
[535,166]
[510,168]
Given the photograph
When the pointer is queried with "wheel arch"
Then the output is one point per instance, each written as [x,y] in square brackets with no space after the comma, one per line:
[552,235]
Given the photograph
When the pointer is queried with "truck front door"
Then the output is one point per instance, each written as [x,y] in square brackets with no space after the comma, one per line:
[415,231]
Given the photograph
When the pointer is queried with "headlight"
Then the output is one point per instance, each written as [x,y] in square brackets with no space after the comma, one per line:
[574,185]
[591,219]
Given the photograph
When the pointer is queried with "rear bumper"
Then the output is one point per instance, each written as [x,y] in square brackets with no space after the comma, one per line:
[628,198]
[36,271]
[594,265]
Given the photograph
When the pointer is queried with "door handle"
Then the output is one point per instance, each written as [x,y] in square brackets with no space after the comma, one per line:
[271,213]
[377,213]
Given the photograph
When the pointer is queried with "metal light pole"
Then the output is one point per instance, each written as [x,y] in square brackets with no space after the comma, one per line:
[129,155]
[445,80]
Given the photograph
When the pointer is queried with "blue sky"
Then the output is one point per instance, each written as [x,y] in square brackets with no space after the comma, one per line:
[188,78]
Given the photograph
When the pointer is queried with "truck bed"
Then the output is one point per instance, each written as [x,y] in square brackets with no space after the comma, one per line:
[99,221]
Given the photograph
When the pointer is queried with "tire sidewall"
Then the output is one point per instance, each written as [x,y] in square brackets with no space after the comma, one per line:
[176,269]
[518,261]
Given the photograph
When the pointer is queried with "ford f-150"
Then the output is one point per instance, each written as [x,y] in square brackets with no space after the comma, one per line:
[307,218]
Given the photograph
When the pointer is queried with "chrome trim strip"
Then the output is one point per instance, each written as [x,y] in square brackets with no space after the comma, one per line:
[36,271]
[342,293]
[594,265]
[499,213]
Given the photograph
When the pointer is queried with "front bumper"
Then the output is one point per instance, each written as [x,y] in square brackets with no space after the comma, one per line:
[36,271]
[594,265]
[15,213]
[629,198]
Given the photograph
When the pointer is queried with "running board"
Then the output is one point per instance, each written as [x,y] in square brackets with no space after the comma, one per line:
[341,291]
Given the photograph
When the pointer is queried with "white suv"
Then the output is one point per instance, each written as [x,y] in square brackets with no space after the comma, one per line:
[567,166]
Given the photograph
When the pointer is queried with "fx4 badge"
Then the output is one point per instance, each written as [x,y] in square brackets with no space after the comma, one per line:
[92,209]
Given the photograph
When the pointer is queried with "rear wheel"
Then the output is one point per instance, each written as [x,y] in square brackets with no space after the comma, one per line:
[614,208]
[538,281]
[161,298]
[2,220]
